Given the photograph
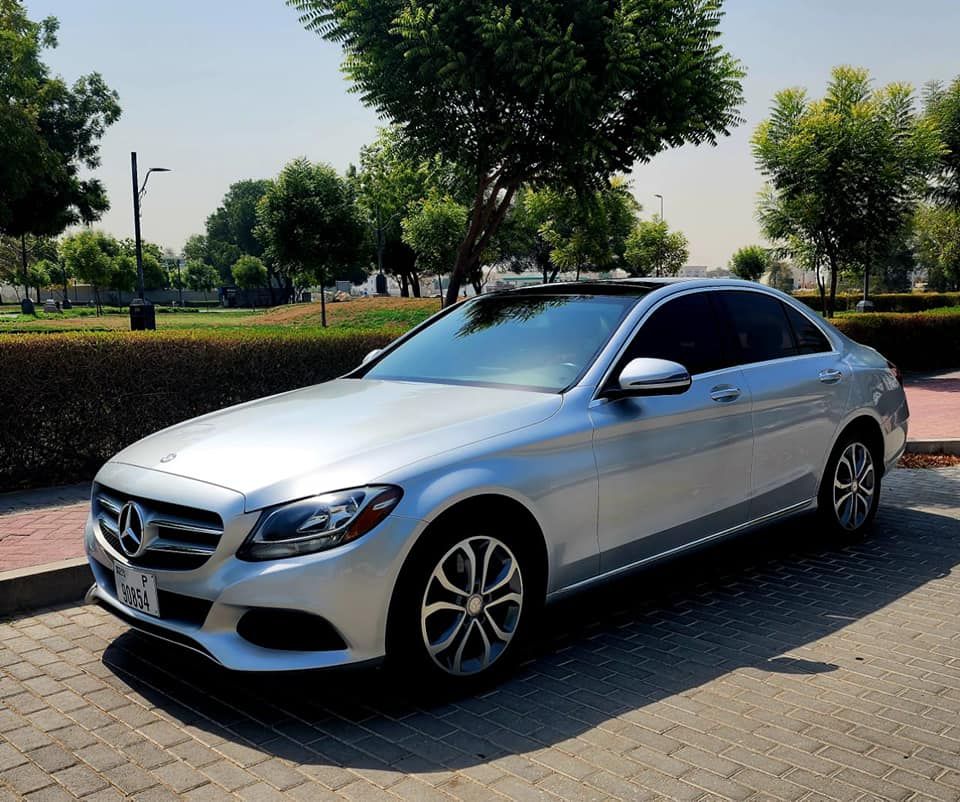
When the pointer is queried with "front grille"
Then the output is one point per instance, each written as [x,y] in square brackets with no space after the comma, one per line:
[180,538]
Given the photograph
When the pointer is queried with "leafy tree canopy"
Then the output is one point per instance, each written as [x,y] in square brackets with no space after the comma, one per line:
[942,109]
[249,273]
[200,276]
[234,221]
[552,92]
[308,223]
[937,244]
[49,132]
[433,230]
[652,249]
[750,262]
[844,173]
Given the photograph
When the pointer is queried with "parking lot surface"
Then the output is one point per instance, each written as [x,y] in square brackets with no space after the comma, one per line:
[776,666]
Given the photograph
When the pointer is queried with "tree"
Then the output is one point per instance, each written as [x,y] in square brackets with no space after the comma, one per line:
[750,262]
[12,253]
[581,230]
[844,173]
[780,277]
[89,255]
[433,231]
[389,183]
[309,225]
[249,273]
[201,277]
[123,275]
[937,245]
[653,249]
[550,92]
[942,109]
[49,134]
[39,275]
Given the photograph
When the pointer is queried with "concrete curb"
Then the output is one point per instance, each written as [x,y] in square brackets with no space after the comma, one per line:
[43,585]
[934,446]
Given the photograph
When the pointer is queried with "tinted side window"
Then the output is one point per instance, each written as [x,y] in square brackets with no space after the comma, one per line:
[810,340]
[760,327]
[683,330]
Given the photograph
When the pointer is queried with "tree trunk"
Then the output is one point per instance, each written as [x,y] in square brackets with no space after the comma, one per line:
[415,283]
[485,217]
[23,260]
[323,307]
[404,285]
[834,271]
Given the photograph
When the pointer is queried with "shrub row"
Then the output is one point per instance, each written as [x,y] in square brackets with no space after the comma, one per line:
[70,401]
[887,302]
[912,342]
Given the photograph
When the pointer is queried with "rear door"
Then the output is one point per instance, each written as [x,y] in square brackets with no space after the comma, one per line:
[673,469]
[799,386]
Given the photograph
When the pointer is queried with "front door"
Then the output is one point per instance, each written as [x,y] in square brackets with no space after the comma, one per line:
[673,469]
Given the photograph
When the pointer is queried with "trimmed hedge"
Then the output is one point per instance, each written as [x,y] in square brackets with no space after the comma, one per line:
[912,342]
[886,302]
[70,401]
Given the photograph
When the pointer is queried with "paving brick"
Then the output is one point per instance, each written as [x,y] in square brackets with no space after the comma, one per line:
[777,668]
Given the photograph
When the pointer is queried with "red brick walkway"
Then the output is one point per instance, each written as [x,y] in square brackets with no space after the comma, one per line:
[37,537]
[934,406]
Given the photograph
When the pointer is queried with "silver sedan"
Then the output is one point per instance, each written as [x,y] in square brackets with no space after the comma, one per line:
[512,449]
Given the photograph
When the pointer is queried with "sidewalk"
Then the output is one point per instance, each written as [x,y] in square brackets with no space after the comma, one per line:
[934,401]
[42,526]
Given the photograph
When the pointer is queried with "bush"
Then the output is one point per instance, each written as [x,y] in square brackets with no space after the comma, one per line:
[70,401]
[888,302]
[912,342]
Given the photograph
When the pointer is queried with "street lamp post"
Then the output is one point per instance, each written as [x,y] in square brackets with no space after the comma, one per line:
[660,240]
[142,314]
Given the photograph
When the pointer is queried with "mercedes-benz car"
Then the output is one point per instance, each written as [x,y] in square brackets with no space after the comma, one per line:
[513,448]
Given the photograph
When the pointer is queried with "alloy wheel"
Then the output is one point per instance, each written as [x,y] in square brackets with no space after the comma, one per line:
[854,484]
[471,606]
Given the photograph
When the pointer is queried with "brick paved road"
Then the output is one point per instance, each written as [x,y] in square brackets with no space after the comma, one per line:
[775,668]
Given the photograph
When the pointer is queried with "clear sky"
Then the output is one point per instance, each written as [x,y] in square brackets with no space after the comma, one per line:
[220,90]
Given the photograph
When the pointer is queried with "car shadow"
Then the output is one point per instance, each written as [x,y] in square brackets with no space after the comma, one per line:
[748,604]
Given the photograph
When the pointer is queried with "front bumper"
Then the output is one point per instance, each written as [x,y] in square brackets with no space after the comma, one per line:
[350,586]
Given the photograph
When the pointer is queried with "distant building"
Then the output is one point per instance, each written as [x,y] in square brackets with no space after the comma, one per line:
[693,271]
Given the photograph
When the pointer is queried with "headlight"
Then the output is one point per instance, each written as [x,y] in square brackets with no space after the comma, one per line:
[319,523]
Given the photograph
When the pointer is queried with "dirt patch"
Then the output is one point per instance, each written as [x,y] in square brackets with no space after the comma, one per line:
[928,461]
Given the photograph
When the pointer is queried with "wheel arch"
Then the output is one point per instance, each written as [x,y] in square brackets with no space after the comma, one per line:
[473,508]
[870,429]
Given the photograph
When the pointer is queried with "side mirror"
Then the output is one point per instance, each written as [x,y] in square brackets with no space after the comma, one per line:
[648,376]
[372,355]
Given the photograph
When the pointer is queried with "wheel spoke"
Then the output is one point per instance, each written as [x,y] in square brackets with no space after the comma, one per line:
[504,580]
[486,645]
[441,576]
[472,565]
[458,657]
[438,606]
[501,634]
[516,598]
[455,630]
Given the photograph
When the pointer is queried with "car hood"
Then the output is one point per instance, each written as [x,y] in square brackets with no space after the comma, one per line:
[343,433]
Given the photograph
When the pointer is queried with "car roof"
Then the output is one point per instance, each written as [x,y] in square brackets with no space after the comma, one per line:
[638,287]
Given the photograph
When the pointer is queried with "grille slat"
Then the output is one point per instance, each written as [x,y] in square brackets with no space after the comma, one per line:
[181,538]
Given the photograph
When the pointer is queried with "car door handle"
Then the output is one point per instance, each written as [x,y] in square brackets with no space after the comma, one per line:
[830,376]
[725,393]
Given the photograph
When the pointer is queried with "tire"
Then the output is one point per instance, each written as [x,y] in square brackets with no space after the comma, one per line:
[850,489]
[446,638]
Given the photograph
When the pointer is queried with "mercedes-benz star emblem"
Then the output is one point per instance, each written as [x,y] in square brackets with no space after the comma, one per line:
[131,529]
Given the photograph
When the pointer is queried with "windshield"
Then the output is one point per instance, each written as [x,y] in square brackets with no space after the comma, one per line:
[531,342]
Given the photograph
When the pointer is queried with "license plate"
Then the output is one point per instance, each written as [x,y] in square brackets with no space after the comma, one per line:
[137,589]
